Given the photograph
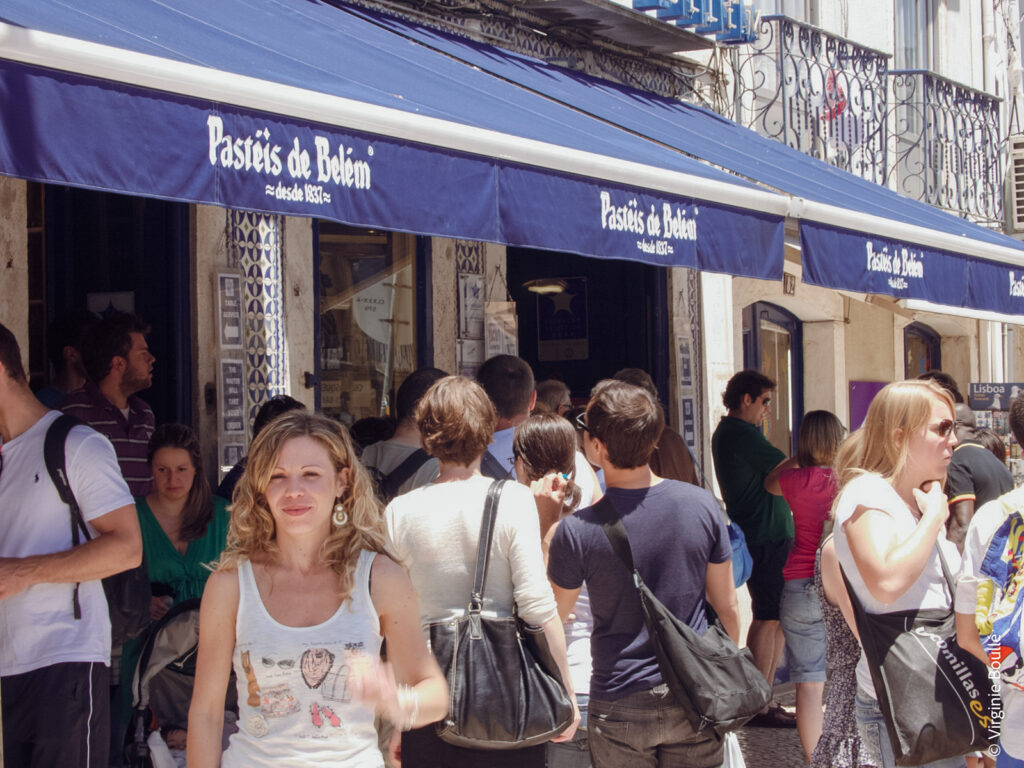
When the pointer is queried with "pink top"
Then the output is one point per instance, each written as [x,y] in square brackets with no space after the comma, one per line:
[809,491]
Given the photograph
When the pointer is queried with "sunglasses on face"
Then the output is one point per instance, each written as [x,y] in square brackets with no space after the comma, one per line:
[943,428]
[580,423]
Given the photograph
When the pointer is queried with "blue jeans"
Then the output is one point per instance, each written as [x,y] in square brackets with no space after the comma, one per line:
[648,730]
[872,730]
[575,753]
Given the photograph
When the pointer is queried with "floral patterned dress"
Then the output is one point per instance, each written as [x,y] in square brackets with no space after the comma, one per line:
[839,745]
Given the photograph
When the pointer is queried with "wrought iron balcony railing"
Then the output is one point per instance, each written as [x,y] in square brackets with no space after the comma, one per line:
[821,94]
[948,147]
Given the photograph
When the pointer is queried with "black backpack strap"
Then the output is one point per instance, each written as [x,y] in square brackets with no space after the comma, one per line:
[492,468]
[483,547]
[613,528]
[56,465]
[394,479]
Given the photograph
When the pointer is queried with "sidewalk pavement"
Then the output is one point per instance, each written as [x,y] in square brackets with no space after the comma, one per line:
[773,747]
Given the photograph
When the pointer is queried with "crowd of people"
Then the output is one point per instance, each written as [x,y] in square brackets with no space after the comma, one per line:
[325,553]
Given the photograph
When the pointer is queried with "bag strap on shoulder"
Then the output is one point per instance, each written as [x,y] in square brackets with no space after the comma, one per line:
[613,528]
[492,468]
[410,465]
[56,466]
[483,549]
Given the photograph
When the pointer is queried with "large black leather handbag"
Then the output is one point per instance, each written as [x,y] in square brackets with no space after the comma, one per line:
[937,700]
[504,690]
[716,683]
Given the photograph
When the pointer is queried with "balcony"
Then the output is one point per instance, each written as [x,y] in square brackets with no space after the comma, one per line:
[928,137]
[821,94]
[947,145]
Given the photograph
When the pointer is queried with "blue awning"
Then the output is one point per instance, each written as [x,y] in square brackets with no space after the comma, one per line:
[855,235]
[299,107]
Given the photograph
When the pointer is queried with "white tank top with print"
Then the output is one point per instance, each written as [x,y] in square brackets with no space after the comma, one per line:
[294,698]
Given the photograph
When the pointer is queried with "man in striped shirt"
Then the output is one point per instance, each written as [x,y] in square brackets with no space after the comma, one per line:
[119,364]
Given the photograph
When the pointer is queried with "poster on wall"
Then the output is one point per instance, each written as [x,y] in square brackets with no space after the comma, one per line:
[562,322]
[684,362]
[993,396]
[232,397]
[471,306]
[689,424]
[229,310]
[501,329]
[471,355]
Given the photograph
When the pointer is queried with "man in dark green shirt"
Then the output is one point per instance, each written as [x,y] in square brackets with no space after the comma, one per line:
[743,459]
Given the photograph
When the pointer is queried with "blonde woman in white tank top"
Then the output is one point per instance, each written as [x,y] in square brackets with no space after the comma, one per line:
[298,606]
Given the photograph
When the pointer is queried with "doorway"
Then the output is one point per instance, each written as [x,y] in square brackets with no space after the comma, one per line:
[773,345]
[607,315]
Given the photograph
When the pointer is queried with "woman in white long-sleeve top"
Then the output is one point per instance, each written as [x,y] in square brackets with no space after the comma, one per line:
[434,531]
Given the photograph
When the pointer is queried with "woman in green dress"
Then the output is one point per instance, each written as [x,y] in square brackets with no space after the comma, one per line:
[184,527]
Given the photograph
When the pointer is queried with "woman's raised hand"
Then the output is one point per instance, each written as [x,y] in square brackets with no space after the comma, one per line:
[932,502]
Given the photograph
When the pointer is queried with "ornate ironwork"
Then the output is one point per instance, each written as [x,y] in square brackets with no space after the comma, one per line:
[816,92]
[948,145]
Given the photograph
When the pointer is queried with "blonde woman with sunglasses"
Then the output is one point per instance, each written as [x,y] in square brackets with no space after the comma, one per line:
[890,515]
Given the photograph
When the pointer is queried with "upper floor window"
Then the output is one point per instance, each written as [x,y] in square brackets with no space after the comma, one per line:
[801,10]
[913,34]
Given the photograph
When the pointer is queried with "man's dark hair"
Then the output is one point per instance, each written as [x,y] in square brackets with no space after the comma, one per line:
[273,408]
[638,378]
[412,391]
[68,330]
[945,381]
[109,338]
[748,382]
[508,381]
[1017,418]
[10,355]
[627,419]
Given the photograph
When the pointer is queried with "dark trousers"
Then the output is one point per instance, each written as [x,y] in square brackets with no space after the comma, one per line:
[423,747]
[57,716]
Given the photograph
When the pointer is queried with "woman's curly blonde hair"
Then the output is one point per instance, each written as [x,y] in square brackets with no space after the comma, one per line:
[252,533]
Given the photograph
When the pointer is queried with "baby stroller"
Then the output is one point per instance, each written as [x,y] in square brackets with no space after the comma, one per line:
[162,681]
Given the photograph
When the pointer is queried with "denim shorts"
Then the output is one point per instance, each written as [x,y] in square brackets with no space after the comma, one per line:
[804,630]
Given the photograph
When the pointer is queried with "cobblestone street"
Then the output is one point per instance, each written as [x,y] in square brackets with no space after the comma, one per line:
[773,747]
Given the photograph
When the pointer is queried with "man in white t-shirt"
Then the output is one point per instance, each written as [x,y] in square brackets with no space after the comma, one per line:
[990,601]
[54,665]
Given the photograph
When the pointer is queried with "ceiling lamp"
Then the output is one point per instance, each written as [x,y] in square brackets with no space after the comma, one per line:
[545,285]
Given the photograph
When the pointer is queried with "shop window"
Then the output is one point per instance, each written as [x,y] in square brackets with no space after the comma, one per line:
[922,350]
[773,344]
[367,332]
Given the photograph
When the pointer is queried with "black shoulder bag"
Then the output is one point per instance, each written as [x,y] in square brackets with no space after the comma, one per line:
[936,698]
[505,691]
[717,684]
[128,593]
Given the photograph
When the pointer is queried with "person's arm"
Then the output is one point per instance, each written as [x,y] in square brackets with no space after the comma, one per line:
[771,482]
[410,663]
[889,564]
[554,633]
[217,614]
[721,594]
[835,589]
[116,548]
[961,511]
[968,637]
[565,599]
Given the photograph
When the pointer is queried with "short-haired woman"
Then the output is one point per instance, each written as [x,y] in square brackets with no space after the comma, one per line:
[890,520]
[298,606]
[808,483]
[435,529]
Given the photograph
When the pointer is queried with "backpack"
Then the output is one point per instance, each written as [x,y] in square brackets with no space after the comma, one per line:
[388,485]
[492,468]
[128,593]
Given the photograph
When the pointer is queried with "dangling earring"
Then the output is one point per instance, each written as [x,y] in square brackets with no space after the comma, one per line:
[340,516]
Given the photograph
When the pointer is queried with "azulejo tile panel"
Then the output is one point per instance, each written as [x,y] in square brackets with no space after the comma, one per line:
[254,246]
